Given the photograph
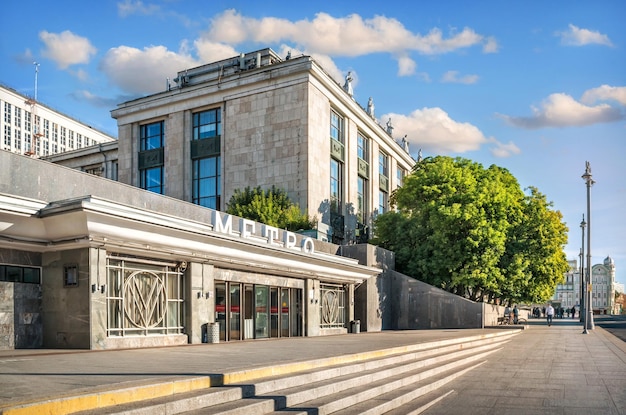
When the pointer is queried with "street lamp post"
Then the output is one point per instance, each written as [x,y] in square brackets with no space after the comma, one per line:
[581,313]
[589,309]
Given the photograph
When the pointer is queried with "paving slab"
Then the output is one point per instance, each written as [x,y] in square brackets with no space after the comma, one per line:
[28,376]
[555,370]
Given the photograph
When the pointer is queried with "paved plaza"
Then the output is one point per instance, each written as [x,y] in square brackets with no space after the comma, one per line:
[556,370]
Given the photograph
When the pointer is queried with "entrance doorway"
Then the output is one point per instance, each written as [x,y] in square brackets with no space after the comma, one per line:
[256,311]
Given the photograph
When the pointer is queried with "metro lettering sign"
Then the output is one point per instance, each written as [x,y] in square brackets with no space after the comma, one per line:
[223,223]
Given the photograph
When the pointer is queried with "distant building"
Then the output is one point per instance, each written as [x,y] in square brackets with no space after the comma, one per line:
[99,160]
[603,283]
[30,127]
[258,120]
[567,294]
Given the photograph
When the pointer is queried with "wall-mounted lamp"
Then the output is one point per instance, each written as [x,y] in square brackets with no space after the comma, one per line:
[70,275]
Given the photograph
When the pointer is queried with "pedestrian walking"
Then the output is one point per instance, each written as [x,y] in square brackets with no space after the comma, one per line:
[549,314]
[515,314]
[507,314]
[573,311]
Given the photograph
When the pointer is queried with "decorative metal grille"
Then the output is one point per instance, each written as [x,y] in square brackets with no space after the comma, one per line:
[143,298]
[332,307]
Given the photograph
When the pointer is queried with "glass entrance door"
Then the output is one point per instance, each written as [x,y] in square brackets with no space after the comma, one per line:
[261,327]
[235,312]
[249,311]
[220,308]
[284,312]
[274,312]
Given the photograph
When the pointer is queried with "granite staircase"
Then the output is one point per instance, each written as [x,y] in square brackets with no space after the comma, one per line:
[405,381]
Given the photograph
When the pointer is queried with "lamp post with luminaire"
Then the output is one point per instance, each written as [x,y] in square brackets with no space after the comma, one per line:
[589,309]
[581,313]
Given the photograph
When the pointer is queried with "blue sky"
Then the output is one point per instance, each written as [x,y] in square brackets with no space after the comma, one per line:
[537,87]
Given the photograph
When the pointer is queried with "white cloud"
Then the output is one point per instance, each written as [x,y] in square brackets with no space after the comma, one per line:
[66,48]
[576,36]
[129,7]
[212,51]
[433,130]
[143,71]
[406,66]
[502,150]
[561,110]
[324,61]
[605,93]
[81,74]
[345,36]
[453,77]
[95,100]
[491,45]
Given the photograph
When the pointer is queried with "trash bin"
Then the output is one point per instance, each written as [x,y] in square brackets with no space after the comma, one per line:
[213,332]
[355,326]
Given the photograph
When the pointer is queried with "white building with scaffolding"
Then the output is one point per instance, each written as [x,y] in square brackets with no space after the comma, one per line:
[32,128]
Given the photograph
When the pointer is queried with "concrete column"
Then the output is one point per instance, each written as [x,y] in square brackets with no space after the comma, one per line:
[312,308]
[98,297]
[200,294]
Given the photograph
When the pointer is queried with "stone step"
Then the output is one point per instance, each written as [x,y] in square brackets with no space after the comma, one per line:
[364,378]
[412,398]
[389,392]
[173,404]
[409,360]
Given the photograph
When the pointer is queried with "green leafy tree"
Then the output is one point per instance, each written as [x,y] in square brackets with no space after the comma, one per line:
[473,231]
[272,207]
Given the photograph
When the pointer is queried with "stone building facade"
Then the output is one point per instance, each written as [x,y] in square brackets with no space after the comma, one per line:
[567,294]
[91,263]
[30,127]
[259,120]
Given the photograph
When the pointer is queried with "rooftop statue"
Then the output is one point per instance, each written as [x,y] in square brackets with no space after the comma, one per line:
[370,107]
[348,85]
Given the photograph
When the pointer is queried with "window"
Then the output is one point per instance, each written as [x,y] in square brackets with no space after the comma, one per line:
[14,273]
[46,128]
[207,161]
[152,179]
[361,189]
[18,117]
[383,201]
[207,124]
[362,178]
[335,186]
[206,182]
[7,136]
[151,140]
[7,113]
[151,136]
[400,174]
[361,147]
[336,126]
[383,164]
